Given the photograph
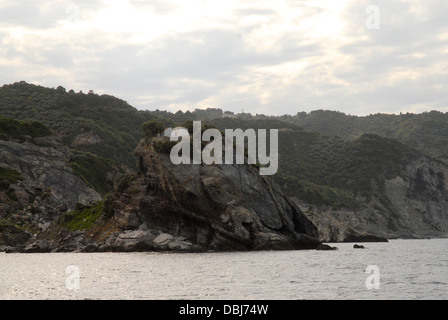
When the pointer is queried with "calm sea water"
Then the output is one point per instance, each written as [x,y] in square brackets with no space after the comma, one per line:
[403,269]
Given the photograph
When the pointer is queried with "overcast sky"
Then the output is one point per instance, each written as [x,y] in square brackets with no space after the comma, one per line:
[270,57]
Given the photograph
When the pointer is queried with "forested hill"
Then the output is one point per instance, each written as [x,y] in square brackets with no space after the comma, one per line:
[118,125]
[325,156]
[103,125]
[427,131]
[100,124]
[329,170]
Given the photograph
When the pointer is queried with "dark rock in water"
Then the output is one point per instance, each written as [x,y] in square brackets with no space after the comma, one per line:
[357,246]
[325,247]
[364,237]
[10,250]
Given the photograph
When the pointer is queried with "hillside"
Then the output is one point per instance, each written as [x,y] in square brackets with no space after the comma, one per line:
[37,183]
[426,132]
[330,161]
[103,125]
[341,170]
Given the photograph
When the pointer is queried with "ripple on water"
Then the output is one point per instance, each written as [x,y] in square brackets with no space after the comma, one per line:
[408,269]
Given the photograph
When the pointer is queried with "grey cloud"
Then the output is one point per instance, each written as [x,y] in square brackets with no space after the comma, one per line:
[211,59]
[404,35]
[189,67]
[25,13]
[43,14]
[400,23]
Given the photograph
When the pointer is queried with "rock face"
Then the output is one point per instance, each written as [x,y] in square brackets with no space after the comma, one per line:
[46,189]
[411,205]
[205,207]
[43,164]
[87,138]
[162,207]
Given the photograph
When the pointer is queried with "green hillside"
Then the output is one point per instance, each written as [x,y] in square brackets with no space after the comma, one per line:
[322,169]
[14,129]
[70,114]
[426,132]
[325,157]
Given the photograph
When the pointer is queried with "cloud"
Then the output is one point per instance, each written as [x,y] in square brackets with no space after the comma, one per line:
[260,56]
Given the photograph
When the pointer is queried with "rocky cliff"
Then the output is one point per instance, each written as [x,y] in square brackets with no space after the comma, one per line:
[186,208]
[209,207]
[413,204]
[43,164]
[44,188]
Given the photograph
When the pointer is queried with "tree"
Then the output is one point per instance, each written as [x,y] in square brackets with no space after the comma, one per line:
[188,125]
[152,127]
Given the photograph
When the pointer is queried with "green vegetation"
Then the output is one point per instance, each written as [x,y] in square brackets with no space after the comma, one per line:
[125,181]
[70,114]
[368,159]
[14,129]
[164,145]
[81,218]
[316,194]
[328,170]
[92,169]
[426,132]
[8,176]
[204,126]
[152,128]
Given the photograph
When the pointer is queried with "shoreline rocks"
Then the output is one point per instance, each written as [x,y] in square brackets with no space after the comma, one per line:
[326,247]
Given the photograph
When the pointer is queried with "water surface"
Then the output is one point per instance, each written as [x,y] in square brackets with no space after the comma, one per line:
[407,269]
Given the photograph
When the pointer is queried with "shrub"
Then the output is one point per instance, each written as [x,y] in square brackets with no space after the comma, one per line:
[152,127]
[82,218]
[8,176]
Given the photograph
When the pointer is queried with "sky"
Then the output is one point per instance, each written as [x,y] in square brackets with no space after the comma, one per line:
[263,57]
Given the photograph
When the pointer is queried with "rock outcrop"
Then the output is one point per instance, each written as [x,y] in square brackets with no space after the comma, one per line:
[46,189]
[204,207]
[43,164]
[86,139]
[325,247]
[162,207]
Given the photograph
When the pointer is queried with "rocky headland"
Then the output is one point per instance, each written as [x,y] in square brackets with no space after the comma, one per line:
[176,207]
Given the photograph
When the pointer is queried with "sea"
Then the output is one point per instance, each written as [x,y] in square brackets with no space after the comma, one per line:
[394,270]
